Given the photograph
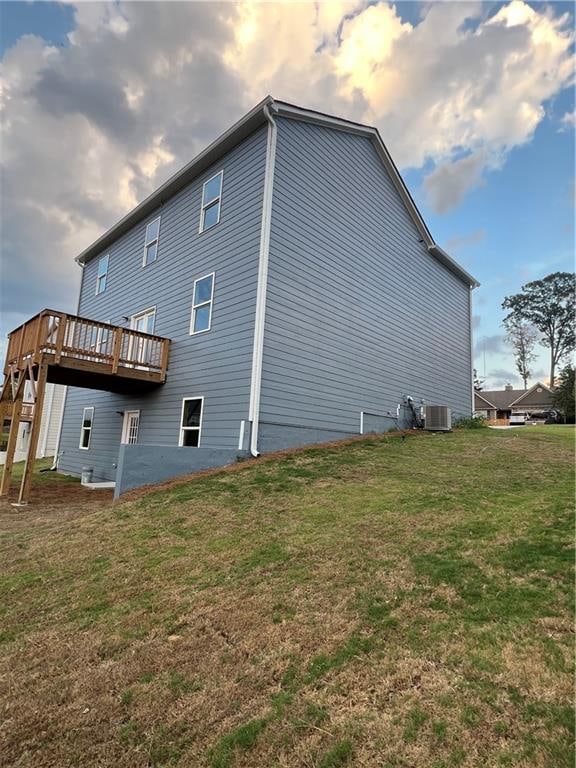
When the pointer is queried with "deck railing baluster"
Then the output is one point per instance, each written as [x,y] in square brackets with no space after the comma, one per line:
[63,338]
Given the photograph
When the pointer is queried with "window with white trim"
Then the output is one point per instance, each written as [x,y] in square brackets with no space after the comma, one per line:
[86,429]
[211,199]
[102,273]
[151,241]
[202,299]
[191,421]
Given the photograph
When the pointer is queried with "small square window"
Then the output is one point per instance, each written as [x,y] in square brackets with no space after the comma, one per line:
[202,319]
[190,438]
[211,215]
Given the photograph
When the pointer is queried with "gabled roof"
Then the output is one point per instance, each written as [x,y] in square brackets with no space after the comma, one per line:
[504,399]
[528,392]
[480,396]
[241,130]
[501,399]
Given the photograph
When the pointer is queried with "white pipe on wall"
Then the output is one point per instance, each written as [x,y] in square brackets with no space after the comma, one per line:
[256,379]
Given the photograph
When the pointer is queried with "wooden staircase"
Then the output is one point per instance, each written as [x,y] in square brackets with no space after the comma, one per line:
[67,349]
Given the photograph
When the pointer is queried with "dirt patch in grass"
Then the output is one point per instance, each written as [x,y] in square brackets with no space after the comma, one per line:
[385,603]
[56,503]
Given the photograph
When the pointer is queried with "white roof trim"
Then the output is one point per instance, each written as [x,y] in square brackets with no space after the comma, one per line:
[239,131]
[480,395]
[230,138]
[529,391]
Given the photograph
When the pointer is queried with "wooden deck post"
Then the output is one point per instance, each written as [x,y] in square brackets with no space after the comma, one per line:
[39,342]
[164,358]
[60,336]
[117,349]
[12,438]
[34,434]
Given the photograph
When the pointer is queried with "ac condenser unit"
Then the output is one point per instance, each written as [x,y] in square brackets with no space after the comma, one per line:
[437,418]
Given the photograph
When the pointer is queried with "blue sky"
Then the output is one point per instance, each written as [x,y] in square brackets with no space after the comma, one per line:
[51,21]
[526,214]
[79,158]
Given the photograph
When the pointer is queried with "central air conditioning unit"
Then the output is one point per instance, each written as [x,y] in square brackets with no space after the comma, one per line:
[437,418]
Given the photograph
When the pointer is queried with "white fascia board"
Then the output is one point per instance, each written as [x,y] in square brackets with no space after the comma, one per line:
[229,139]
[328,121]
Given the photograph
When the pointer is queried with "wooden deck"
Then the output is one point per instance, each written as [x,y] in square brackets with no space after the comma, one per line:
[66,349]
[87,353]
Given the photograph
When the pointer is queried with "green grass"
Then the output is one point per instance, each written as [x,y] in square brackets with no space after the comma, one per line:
[41,476]
[391,602]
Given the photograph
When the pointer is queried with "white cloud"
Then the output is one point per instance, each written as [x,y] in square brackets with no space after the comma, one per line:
[458,242]
[568,121]
[494,344]
[448,185]
[91,128]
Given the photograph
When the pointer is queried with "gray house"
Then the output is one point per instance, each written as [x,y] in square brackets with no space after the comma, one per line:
[301,292]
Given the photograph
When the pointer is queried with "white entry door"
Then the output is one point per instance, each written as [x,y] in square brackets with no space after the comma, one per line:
[130,427]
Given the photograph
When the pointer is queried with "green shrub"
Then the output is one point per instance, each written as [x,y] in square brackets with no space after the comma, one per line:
[470,422]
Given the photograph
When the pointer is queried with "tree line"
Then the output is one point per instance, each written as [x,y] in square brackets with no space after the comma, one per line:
[543,312]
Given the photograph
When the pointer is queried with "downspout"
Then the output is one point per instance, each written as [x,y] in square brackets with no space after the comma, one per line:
[256,379]
[57,449]
[471,288]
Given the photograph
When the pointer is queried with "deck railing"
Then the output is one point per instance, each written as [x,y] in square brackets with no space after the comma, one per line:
[69,336]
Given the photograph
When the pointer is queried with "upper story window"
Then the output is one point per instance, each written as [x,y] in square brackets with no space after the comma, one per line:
[202,304]
[211,198]
[86,430]
[102,273]
[151,241]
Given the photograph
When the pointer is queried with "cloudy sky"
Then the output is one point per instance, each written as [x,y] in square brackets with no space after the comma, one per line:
[103,101]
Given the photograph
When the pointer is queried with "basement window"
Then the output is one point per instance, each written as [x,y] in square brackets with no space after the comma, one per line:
[202,299]
[211,198]
[151,242]
[86,431]
[102,273]
[191,422]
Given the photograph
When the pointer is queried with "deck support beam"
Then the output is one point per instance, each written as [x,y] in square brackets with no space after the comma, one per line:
[13,435]
[68,349]
[40,387]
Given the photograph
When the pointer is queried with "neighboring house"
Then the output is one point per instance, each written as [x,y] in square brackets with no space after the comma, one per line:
[501,403]
[301,292]
[49,428]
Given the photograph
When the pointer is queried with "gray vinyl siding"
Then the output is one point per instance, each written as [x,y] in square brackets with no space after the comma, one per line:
[216,364]
[358,312]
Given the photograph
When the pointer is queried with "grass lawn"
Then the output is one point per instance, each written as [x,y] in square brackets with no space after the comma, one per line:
[395,603]
[40,475]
